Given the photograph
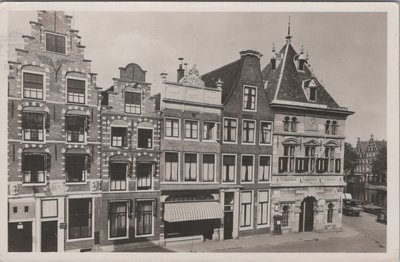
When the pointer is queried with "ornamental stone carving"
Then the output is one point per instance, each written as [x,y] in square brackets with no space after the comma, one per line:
[94,186]
[57,188]
[14,189]
[192,77]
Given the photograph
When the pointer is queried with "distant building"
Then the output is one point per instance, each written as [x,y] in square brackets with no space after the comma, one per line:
[308,144]
[367,152]
[54,139]
[130,128]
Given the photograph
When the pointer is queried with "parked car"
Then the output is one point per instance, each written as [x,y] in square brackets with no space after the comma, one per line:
[382,216]
[352,207]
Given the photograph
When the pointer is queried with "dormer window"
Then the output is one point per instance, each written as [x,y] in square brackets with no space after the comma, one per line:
[301,64]
[55,43]
[313,94]
[249,98]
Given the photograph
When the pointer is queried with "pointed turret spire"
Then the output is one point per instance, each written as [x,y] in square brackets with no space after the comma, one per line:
[302,49]
[288,37]
[273,47]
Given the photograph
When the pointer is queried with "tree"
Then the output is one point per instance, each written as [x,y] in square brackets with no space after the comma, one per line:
[350,158]
[379,165]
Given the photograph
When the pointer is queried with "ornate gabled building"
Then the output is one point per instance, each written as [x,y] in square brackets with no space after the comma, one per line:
[53,141]
[367,152]
[308,144]
[246,146]
[130,128]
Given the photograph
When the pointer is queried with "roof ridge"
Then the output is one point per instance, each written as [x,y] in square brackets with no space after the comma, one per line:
[219,68]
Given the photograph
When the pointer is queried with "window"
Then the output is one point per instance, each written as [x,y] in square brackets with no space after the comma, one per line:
[247,168]
[286,163]
[330,154]
[334,128]
[75,167]
[55,43]
[75,127]
[33,126]
[249,98]
[230,126]
[145,138]
[262,210]
[49,208]
[310,158]
[264,168]
[119,136]
[211,131]
[80,218]
[265,132]
[190,167]
[76,91]
[171,166]
[144,218]
[245,209]
[34,168]
[328,127]
[248,131]
[330,213]
[33,86]
[191,129]
[208,167]
[133,102]
[301,64]
[118,219]
[313,94]
[118,172]
[286,122]
[171,127]
[293,127]
[285,216]
[337,165]
[229,166]
[144,176]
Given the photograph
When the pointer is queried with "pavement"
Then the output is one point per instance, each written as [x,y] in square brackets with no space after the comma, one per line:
[252,242]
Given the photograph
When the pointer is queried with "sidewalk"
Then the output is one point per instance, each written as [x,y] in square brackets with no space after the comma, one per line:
[261,240]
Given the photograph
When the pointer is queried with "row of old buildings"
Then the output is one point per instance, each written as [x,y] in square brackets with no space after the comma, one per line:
[212,156]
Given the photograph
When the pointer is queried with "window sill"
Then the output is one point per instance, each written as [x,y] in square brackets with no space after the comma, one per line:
[246,228]
[34,184]
[171,138]
[118,238]
[264,182]
[80,239]
[141,236]
[247,182]
[33,142]
[209,141]
[265,144]
[263,226]
[248,143]
[75,183]
[230,142]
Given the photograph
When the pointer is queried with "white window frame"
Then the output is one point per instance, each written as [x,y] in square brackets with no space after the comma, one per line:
[316,94]
[223,131]
[141,102]
[241,165]
[152,138]
[67,219]
[152,179]
[75,183]
[127,221]
[179,128]
[22,84]
[214,133]
[270,169]
[66,90]
[119,126]
[260,133]
[179,167]
[251,210]
[84,133]
[57,34]
[44,141]
[254,134]
[235,172]
[153,201]
[215,167]
[197,167]
[255,99]
[126,179]
[268,208]
[198,129]
[34,184]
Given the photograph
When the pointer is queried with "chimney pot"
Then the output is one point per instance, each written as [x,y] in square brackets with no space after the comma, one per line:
[180,71]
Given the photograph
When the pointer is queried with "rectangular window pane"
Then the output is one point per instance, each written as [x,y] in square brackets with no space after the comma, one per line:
[33,126]
[118,172]
[264,168]
[33,86]
[190,167]
[245,210]
[80,218]
[209,131]
[133,102]
[75,167]
[171,127]
[229,168]
[248,131]
[208,167]
[76,91]
[118,219]
[265,133]
[144,218]
[171,166]
[33,168]
[75,128]
[191,129]
[49,208]
[144,176]
[119,136]
[247,168]
[145,138]
[230,130]
[249,98]
[55,43]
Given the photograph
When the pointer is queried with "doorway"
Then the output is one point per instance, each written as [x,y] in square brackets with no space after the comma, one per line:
[307,215]
[20,237]
[228,214]
[49,236]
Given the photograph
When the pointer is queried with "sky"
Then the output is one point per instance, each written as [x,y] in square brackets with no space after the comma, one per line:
[348,51]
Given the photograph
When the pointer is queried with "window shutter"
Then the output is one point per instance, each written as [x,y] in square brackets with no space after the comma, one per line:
[48,162]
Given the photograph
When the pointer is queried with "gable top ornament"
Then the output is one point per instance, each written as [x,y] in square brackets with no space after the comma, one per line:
[192,77]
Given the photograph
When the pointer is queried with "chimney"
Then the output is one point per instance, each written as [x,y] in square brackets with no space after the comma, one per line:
[273,59]
[180,71]
[164,76]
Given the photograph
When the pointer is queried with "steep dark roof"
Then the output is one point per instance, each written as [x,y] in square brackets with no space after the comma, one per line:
[228,74]
[290,87]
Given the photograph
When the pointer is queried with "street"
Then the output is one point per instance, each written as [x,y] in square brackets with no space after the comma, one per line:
[367,236]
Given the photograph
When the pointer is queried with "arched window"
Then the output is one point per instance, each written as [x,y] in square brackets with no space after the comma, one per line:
[327,127]
[330,213]
[285,216]
[294,124]
[286,124]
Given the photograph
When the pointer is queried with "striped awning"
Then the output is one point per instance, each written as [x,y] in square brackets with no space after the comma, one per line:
[189,211]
